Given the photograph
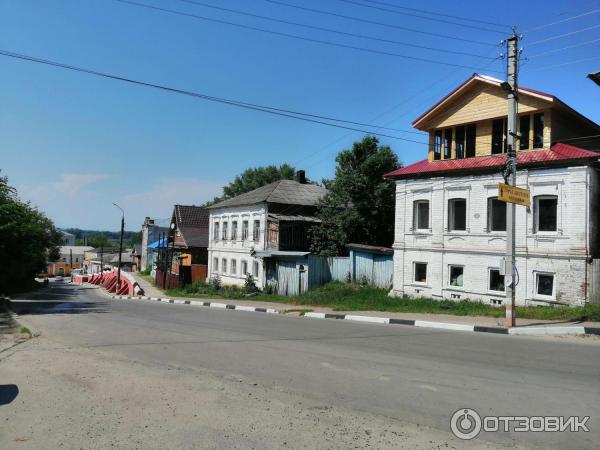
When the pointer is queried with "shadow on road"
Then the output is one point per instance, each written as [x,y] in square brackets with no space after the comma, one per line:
[8,392]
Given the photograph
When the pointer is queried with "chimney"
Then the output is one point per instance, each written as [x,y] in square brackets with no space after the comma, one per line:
[300,177]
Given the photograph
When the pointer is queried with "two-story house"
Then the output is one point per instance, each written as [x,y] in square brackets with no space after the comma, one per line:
[249,230]
[450,229]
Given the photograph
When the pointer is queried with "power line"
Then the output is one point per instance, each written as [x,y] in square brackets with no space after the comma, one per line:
[373,22]
[566,63]
[294,36]
[330,30]
[581,30]
[254,107]
[437,13]
[581,44]
[568,19]
[379,8]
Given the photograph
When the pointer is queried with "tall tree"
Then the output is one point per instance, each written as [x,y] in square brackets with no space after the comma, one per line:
[28,240]
[254,178]
[359,207]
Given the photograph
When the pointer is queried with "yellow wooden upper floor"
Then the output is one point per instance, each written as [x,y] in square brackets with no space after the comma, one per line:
[471,122]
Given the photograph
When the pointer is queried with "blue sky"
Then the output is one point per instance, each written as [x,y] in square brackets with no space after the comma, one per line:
[73,143]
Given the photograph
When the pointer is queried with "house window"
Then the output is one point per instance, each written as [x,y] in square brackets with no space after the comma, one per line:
[224,235]
[544,284]
[64,260]
[420,272]
[448,143]
[459,143]
[233,267]
[538,130]
[244,230]
[546,212]
[76,260]
[457,214]
[215,265]
[496,214]
[496,281]
[437,145]
[456,275]
[470,140]
[256,230]
[234,230]
[216,231]
[421,215]
[255,269]
[244,267]
[498,136]
[224,265]
[524,124]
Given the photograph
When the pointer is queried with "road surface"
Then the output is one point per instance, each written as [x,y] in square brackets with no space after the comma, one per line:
[134,374]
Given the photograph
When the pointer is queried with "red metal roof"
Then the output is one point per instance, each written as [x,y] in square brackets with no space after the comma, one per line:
[558,154]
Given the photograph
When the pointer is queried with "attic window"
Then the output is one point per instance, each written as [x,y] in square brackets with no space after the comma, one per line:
[459,143]
[470,140]
[538,130]
[524,124]
[498,136]
[448,143]
[437,145]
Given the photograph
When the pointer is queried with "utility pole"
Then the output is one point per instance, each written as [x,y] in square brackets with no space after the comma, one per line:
[511,175]
[71,263]
[101,261]
[120,247]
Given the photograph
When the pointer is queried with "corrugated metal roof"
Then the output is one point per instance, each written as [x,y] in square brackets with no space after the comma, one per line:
[558,154]
[371,248]
[293,218]
[287,192]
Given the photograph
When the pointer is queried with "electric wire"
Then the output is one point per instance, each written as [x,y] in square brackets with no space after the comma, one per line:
[294,36]
[568,19]
[330,30]
[560,36]
[593,58]
[581,44]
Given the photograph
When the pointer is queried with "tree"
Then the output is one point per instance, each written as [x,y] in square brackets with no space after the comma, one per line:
[254,178]
[28,240]
[99,240]
[359,207]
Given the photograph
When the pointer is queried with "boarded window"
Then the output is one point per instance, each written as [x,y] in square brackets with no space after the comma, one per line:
[544,284]
[421,215]
[457,214]
[538,130]
[448,143]
[496,281]
[421,272]
[546,212]
[459,143]
[437,145]
[524,124]
[471,139]
[456,276]
[496,215]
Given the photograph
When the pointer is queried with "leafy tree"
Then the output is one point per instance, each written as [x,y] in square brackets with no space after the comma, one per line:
[359,207]
[254,178]
[99,240]
[28,240]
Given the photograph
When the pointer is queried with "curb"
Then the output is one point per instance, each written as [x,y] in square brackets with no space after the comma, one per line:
[523,331]
[199,303]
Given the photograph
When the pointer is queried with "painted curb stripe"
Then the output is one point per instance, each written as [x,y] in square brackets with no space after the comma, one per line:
[590,330]
[483,329]
[245,308]
[315,315]
[370,319]
[335,316]
[546,331]
[444,326]
[402,322]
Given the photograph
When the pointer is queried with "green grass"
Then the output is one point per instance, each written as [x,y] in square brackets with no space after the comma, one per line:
[354,297]
[25,330]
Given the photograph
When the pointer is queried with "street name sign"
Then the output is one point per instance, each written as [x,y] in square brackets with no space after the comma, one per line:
[511,194]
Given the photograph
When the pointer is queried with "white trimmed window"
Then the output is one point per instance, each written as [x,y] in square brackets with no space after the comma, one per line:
[244,267]
[255,269]
[234,230]
[496,214]
[244,230]
[233,267]
[457,214]
[215,267]
[456,276]
[256,230]
[216,231]
[496,281]
[545,285]
[420,271]
[545,210]
[224,265]
[224,235]
[421,215]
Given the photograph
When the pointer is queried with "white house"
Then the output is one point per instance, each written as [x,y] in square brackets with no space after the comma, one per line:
[249,230]
[450,232]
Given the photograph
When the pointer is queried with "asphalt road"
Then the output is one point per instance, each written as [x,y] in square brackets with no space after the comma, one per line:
[399,375]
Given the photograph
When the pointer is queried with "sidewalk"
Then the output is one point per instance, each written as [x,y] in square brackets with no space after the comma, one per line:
[469,321]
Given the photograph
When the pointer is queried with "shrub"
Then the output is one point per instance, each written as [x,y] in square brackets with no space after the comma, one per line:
[250,285]
[215,283]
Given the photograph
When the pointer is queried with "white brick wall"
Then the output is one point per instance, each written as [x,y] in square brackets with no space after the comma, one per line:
[562,253]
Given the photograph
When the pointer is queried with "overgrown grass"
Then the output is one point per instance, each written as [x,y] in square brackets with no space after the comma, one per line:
[355,297]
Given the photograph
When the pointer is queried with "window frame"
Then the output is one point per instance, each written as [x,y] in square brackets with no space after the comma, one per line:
[215,267]
[459,144]
[255,269]
[448,136]
[234,230]
[233,266]
[224,266]
[450,266]
[245,228]
[415,263]
[536,213]
[470,140]
[244,267]
[451,215]
[524,134]
[224,230]
[543,124]
[495,269]
[256,231]
[536,293]
[503,122]
[216,231]
[437,144]
[416,204]
[490,215]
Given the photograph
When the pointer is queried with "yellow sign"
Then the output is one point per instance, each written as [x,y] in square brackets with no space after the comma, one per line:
[511,194]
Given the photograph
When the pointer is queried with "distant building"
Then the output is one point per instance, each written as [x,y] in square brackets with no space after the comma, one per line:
[151,233]
[71,257]
[67,238]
